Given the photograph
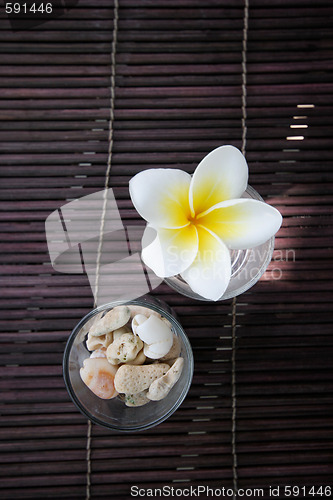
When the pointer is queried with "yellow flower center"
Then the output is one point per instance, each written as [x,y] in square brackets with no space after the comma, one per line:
[192,219]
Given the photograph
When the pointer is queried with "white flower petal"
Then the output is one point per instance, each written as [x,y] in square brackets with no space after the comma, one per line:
[169,251]
[221,175]
[242,223]
[210,273]
[161,196]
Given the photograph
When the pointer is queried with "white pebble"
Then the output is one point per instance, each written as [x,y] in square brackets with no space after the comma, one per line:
[154,330]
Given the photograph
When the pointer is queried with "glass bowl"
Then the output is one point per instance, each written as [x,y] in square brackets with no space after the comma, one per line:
[113,413]
[247,266]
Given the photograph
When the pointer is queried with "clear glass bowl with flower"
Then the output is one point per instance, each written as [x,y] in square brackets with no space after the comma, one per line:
[207,230]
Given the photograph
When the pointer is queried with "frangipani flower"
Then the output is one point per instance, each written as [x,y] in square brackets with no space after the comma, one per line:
[193,222]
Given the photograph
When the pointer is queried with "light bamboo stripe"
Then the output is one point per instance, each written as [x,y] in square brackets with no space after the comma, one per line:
[234,301]
[106,185]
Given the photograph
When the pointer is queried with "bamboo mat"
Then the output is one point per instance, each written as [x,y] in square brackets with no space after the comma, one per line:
[189,76]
